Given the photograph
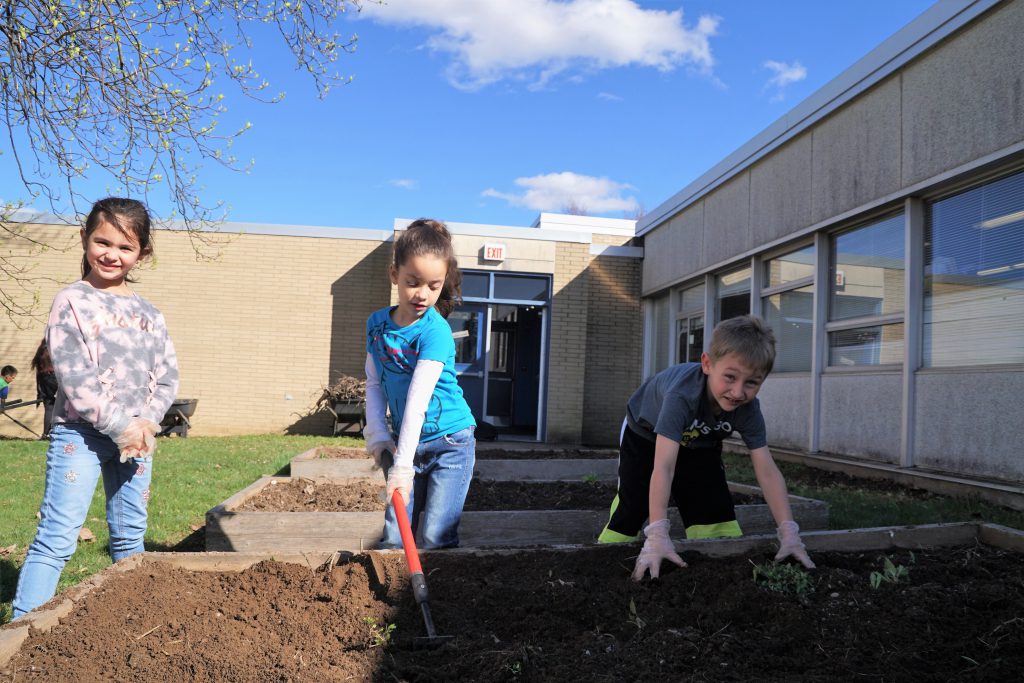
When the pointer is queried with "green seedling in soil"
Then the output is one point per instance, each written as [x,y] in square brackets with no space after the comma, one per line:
[783,578]
[590,478]
[634,618]
[379,635]
[891,573]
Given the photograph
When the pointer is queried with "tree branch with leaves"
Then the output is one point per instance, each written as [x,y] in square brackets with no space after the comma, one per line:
[135,90]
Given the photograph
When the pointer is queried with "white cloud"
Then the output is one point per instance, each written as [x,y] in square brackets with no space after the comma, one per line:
[555,191]
[405,183]
[785,74]
[608,96]
[536,40]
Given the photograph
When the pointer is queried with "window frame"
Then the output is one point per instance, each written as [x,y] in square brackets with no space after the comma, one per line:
[881,319]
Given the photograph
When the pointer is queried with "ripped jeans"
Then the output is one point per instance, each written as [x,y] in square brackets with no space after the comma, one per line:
[77,456]
[444,468]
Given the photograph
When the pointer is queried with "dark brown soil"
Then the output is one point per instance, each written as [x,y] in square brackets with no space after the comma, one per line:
[341,453]
[307,495]
[549,616]
[544,454]
[485,453]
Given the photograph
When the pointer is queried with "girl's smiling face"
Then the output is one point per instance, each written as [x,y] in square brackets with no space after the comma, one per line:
[420,281]
[111,255]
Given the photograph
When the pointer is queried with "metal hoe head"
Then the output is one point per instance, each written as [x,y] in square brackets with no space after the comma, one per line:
[431,640]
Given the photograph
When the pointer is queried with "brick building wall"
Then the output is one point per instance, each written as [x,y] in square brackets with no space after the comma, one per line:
[614,345]
[258,330]
[567,357]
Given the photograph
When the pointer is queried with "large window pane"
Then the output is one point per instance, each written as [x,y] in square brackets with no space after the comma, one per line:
[689,339]
[974,276]
[792,266]
[874,345]
[791,315]
[867,270]
[520,288]
[476,285]
[733,294]
[691,299]
[466,330]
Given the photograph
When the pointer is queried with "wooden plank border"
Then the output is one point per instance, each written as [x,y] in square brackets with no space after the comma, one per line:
[851,540]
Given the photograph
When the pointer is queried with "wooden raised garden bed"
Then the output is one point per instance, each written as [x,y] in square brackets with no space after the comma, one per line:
[346,463]
[547,614]
[232,527]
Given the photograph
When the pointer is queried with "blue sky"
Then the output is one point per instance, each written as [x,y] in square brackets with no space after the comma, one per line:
[490,111]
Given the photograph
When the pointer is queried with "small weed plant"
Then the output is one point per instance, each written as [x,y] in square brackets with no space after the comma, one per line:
[379,635]
[782,577]
[891,573]
[634,618]
[590,478]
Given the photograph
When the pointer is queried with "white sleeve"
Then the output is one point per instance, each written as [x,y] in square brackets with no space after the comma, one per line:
[421,388]
[376,406]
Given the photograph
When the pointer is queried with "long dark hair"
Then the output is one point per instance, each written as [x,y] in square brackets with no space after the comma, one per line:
[129,216]
[41,361]
[428,236]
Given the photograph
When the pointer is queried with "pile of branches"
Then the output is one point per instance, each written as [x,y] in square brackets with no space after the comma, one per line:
[344,389]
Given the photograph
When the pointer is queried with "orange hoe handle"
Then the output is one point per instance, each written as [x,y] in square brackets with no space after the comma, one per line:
[416,578]
[412,557]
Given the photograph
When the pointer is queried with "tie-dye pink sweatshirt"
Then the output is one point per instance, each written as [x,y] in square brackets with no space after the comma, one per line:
[112,356]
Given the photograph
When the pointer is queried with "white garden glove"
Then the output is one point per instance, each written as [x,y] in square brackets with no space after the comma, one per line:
[399,479]
[657,547]
[790,544]
[138,439]
[378,448]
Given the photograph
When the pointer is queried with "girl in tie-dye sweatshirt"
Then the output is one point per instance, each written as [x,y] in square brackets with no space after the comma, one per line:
[117,375]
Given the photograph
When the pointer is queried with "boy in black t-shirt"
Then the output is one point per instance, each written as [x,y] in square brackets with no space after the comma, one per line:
[672,445]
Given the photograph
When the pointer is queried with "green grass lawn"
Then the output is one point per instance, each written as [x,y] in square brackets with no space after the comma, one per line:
[858,503]
[190,477]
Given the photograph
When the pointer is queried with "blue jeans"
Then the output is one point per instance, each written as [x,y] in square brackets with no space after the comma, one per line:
[77,456]
[444,468]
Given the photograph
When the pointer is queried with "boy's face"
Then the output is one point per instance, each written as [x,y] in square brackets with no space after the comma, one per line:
[10,378]
[731,382]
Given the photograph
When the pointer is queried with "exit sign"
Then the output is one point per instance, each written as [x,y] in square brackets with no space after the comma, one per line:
[494,252]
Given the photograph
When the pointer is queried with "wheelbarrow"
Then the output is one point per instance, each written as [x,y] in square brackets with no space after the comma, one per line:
[176,419]
[348,414]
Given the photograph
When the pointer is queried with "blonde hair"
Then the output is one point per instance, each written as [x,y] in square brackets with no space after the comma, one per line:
[747,336]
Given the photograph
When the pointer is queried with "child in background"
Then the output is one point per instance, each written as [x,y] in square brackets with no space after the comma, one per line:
[671,444]
[117,374]
[410,369]
[46,384]
[7,375]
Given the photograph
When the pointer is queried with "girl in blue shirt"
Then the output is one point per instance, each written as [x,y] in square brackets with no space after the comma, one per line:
[428,456]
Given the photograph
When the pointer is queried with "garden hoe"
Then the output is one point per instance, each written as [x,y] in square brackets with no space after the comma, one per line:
[416,578]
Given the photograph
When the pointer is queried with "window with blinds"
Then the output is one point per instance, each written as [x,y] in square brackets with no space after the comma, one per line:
[974,276]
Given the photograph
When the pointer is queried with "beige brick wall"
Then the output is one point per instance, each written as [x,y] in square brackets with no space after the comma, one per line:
[614,341]
[274,317]
[568,348]
[258,330]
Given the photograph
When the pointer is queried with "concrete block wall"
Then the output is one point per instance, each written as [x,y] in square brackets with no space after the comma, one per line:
[258,330]
[954,104]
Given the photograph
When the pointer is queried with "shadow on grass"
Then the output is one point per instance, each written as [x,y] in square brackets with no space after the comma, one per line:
[195,542]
